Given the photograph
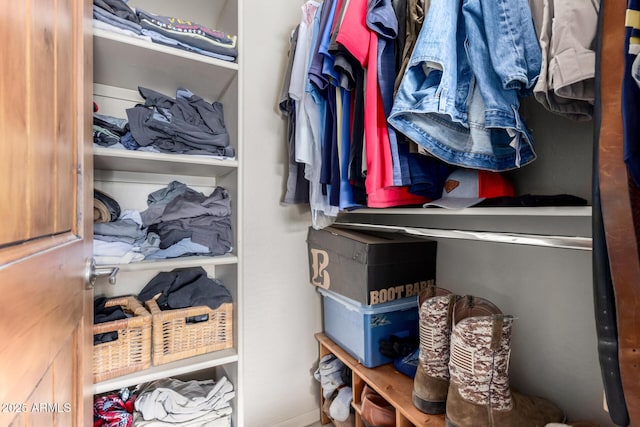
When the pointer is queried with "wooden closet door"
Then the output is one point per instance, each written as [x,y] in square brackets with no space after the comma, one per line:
[45,187]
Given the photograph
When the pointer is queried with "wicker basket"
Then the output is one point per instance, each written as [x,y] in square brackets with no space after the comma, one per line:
[191,331]
[131,352]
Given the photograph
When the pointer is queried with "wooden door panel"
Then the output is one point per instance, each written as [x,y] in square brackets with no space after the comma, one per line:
[41,103]
[50,404]
[37,117]
[64,185]
[65,367]
[38,414]
[13,125]
[43,316]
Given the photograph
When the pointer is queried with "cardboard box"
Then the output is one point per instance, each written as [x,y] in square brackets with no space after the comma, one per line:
[370,267]
[360,329]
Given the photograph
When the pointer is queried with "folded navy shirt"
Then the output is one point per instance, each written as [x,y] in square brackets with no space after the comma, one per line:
[534,200]
[190,33]
[185,287]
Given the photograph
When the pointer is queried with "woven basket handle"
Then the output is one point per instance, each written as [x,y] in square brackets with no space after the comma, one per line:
[128,303]
[152,305]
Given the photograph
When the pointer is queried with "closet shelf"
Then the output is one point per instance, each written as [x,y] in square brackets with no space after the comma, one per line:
[175,164]
[169,264]
[551,211]
[160,67]
[179,367]
[561,242]
[558,226]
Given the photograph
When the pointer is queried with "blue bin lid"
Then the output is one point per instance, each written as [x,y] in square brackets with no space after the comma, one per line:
[352,305]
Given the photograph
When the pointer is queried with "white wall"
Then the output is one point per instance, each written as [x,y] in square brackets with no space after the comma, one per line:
[281,308]
[549,291]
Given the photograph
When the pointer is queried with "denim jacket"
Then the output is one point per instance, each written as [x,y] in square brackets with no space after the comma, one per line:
[459,97]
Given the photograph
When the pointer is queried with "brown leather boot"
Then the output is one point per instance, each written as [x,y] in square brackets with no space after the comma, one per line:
[431,381]
[375,411]
[479,393]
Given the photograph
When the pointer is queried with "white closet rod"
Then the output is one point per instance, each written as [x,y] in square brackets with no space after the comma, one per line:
[562,242]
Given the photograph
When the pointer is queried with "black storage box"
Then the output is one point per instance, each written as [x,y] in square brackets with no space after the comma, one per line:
[370,267]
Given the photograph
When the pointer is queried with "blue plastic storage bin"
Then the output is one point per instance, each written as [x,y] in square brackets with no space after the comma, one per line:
[359,328]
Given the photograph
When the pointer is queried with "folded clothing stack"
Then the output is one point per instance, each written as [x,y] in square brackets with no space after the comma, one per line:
[118,241]
[105,207]
[171,402]
[179,214]
[186,124]
[117,16]
[178,221]
[188,35]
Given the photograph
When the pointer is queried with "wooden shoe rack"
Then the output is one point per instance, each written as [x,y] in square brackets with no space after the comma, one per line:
[393,386]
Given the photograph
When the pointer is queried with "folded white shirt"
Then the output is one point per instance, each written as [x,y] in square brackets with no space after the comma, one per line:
[106,253]
[219,418]
[172,400]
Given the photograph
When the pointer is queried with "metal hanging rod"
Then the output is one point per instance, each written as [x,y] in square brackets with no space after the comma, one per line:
[562,242]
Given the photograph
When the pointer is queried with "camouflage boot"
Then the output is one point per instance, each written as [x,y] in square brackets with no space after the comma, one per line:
[479,393]
[431,381]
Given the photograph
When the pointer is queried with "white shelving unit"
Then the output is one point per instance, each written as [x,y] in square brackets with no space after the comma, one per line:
[121,65]
[179,367]
[182,262]
[177,164]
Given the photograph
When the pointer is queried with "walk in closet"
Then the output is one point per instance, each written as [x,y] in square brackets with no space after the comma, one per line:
[535,263]
[121,65]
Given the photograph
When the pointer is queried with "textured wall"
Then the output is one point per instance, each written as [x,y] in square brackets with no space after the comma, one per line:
[281,308]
